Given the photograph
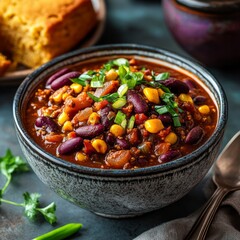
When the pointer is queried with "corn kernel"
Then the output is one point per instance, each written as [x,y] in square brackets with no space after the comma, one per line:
[99,145]
[185,98]
[160,92]
[171,138]
[57,98]
[117,130]
[63,117]
[64,96]
[111,75]
[81,157]
[94,118]
[77,88]
[67,126]
[152,95]
[204,109]
[153,125]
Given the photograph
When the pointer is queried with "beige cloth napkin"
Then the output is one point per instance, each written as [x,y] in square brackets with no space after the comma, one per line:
[225,226]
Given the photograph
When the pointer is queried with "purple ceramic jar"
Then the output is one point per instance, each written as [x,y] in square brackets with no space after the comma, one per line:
[207,30]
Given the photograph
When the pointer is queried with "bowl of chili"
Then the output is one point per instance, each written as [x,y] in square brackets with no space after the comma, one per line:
[120,130]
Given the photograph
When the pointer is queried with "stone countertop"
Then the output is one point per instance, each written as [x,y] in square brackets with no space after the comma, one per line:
[128,21]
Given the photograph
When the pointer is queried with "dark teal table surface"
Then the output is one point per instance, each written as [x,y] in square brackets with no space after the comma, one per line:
[128,21]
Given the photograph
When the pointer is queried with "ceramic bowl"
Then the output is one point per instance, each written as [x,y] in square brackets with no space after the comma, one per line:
[120,193]
[208,30]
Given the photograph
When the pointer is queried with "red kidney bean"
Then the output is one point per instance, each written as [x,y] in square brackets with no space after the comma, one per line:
[176,86]
[190,84]
[169,156]
[110,139]
[46,122]
[199,100]
[104,117]
[166,119]
[122,143]
[140,106]
[195,135]
[90,131]
[71,145]
[57,75]
[64,80]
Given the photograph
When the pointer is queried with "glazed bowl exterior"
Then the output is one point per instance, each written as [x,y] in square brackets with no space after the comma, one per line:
[211,36]
[120,193]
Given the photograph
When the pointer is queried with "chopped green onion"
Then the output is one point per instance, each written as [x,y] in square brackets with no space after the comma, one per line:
[124,123]
[176,121]
[119,103]
[122,90]
[94,98]
[131,122]
[162,76]
[96,84]
[110,97]
[161,109]
[119,117]
[121,61]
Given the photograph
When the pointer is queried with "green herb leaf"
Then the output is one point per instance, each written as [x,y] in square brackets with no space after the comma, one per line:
[121,61]
[162,76]
[31,202]
[94,98]
[109,97]
[49,213]
[10,164]
[32,210]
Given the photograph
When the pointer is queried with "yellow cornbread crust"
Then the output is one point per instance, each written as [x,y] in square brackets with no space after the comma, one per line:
[4,64]
[34,32]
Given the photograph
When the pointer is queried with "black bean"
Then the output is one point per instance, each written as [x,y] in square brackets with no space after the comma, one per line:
[166,119]
[176,86]
[104,117]
[46,122]
[122,143]
[70,146]
[139,104]
[57,75]
[195,135]
[90,131]
[169,156]
[64,80]
[199,100]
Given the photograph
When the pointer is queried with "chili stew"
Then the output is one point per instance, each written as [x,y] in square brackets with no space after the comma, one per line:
[121,114]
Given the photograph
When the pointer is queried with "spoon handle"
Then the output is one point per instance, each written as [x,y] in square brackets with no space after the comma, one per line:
[200,228]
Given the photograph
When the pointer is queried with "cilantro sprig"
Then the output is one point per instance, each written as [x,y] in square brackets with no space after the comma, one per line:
[9,165]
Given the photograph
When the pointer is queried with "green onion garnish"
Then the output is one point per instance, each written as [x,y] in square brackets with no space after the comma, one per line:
[161,109]
[162,76]
[121,61]
[176,121]
[131,122]
[124,123]
[120,102]
[119,117]
[96,84]
[122,90]
[94,98]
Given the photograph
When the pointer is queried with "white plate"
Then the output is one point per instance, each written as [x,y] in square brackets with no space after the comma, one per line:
[15,77]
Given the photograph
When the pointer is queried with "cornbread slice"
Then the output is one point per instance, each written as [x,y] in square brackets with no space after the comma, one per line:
[4,64]
[34,32]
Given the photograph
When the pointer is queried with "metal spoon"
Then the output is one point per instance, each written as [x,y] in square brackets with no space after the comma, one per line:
[227,179]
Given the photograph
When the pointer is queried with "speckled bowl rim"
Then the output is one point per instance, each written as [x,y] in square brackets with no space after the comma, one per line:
[122,49]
